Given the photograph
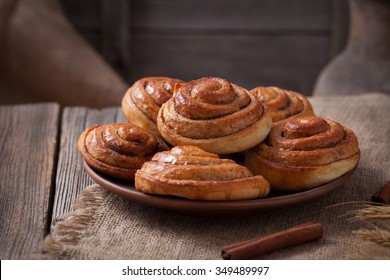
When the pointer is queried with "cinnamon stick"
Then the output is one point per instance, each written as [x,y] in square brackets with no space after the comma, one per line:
[272,242]
[382,195]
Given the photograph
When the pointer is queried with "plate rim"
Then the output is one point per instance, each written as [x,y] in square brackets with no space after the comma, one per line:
[193,206]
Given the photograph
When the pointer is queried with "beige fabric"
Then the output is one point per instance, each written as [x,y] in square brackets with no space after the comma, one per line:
[107,226]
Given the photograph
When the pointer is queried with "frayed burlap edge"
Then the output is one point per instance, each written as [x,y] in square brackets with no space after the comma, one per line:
[67,233]
[375,240]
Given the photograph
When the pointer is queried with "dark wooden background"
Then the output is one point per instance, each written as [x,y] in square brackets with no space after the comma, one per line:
[284,43]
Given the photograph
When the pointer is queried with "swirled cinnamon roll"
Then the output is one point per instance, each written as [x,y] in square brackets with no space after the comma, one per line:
[190,172]
[143,100]
[282,103]
[304,153]
[215,115]
[119,149]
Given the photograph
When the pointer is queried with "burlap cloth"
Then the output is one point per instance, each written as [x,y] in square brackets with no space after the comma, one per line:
[107,226]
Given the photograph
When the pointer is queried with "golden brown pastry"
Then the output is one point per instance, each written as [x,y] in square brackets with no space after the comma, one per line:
[304,153]
[143,100]
[282,103]
[119,149]
[215,115]
[190,172]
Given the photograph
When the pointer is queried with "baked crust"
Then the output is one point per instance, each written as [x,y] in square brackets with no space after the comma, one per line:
[304,153]
[119,149]
[215,115]
[143,100]
[283,104]
[190,172]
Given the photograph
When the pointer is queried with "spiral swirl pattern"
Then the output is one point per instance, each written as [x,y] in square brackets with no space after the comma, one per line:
[282,103]
[118,150]
[209,113]
[143,100]
[192,173]
[303,152]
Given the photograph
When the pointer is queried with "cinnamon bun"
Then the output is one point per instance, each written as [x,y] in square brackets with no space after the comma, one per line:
[282,103]
[215,115]
[119,149]
[143,100]
[304,153]
[190,172]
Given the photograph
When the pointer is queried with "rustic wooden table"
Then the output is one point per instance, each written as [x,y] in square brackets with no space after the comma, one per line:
[41,171]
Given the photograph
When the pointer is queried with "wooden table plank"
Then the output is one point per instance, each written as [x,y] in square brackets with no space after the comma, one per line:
[71,178]
[28,146]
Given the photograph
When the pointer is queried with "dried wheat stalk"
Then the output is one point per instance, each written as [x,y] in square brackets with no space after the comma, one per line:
[379,217]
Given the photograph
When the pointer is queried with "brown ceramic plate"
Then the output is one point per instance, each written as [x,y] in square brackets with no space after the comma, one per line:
[208,208]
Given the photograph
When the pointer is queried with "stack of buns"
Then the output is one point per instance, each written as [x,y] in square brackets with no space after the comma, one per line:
[286,147]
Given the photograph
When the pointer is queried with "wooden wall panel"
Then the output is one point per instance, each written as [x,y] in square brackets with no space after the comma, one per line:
[287,61]
[85,15]
[251,42]
[265,15]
